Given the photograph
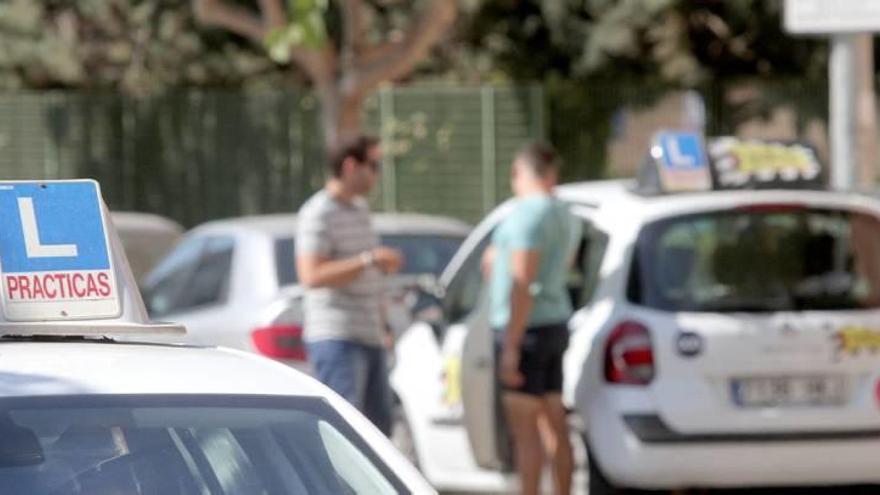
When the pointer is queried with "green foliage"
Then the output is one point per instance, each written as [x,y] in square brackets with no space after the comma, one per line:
[139,46]
[596,57]
[684,42]
[306,27]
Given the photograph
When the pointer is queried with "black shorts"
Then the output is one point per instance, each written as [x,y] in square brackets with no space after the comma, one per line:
[540,359]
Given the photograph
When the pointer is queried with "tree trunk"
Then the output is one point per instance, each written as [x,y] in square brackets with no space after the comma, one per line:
[341,116]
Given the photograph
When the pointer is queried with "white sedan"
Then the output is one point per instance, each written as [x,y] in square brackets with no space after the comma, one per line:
[83,413]
[233,282]
[722,339]
[99,417]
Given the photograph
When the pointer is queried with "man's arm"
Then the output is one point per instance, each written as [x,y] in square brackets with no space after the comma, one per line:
[524,266]
[316,271]
[486,261]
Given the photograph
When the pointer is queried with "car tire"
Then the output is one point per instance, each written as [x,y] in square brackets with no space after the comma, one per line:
[402,436]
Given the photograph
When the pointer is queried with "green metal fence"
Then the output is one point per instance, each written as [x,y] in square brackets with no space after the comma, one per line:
[198,155]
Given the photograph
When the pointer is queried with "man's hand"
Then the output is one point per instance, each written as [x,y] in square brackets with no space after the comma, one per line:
[387,260]
[509,370]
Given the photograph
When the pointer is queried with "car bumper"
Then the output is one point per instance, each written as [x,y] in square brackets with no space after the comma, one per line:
[642,456]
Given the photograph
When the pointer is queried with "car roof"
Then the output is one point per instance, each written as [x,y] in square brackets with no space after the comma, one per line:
[617,196]
[32,368]
[145,222]
[284,224]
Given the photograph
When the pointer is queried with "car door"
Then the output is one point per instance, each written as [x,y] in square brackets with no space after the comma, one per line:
[479,392]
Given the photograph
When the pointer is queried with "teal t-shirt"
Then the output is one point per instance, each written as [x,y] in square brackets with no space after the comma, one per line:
[536,223]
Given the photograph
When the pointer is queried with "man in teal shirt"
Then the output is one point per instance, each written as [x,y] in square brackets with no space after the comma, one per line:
[529,259]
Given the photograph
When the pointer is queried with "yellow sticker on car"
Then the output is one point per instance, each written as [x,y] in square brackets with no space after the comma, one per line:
[854,339]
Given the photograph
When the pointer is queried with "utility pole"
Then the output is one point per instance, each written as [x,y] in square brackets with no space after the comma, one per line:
[866,112]
[848,24]
[841,74]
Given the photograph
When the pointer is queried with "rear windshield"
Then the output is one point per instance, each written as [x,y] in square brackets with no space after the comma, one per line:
[423,254]
[770,258]
[184,445]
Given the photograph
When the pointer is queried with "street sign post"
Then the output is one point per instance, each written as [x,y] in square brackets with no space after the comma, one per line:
[842,20]
[831,16]
[55,259]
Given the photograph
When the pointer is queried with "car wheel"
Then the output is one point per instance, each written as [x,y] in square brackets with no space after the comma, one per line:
[401,435]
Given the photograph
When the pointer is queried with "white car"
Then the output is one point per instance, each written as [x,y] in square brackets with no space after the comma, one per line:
[722,339]
[82,413]
[146,238]
[233,282]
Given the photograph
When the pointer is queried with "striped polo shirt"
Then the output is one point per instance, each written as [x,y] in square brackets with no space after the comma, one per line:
[337,230]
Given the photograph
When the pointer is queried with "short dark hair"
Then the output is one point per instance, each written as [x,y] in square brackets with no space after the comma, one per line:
[540,157]
[357,148]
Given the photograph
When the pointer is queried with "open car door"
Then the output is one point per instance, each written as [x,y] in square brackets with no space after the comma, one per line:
[483,415]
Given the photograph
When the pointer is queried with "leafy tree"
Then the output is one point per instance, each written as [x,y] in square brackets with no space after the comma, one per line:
[139,47]
[596,56]
[334,46]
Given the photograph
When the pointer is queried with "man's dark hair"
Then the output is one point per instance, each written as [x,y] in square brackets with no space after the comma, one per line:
[357,148]
[540,157]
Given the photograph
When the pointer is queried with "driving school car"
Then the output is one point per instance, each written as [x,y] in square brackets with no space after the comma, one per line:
[82,413]
[727,331]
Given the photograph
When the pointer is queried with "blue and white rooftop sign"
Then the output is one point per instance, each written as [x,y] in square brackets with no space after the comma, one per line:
[682,161]
[55,258]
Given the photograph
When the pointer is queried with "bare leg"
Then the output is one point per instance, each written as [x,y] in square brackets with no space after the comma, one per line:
[561,456]
[522,418]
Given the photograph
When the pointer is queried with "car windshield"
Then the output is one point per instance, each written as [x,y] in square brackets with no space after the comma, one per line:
[760,259]
[184,445]
[423,254]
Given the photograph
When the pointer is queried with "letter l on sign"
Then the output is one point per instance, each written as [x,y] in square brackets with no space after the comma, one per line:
[32,244]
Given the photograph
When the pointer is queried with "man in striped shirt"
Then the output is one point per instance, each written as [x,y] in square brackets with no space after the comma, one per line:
[341,265]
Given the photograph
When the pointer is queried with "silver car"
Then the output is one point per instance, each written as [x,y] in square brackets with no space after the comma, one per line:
[146,238]
[233,282]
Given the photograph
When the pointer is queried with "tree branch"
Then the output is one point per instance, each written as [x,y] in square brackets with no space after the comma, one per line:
[319,65]
[396,59]
[353,31]
[236,19]
[274,15]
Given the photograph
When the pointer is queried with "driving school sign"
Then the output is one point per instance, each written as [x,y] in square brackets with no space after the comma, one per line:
[55,260]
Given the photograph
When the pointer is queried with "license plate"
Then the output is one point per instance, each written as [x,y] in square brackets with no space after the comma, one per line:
[789,391]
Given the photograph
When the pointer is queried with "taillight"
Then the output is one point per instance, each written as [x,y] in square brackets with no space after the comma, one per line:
[629,356]
[280,342]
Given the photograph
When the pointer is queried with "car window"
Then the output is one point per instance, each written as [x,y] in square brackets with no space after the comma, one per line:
[210,280]
[170,277]
[185,445]
[285,261]
[773,259]
[196,274]
[465,288]
[424,254]
[584,274]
